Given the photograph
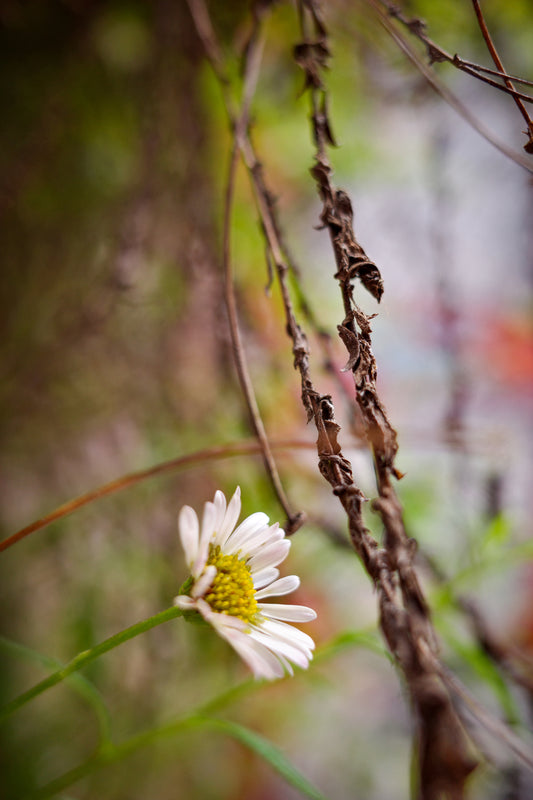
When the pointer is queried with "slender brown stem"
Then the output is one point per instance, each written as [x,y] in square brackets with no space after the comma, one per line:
[294,521]
[497,60]
[439,86]
[474,70]
[443,752]
[502,733]
[277,252]
[487,70]
[239,125]
[417,28]
[218,453]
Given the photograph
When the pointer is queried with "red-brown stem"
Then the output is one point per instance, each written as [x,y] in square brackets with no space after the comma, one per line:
[497,60]
[220,452]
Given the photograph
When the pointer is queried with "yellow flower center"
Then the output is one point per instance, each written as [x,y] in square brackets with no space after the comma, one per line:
[232,591]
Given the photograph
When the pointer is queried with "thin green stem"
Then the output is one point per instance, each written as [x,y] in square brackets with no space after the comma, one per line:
[78,682]
[262,747]
[114,753]
[87,656]
[110,753]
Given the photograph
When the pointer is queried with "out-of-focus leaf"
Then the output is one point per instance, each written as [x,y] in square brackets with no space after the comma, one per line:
[485,669]
[494,562]
[497,532]
[366,639]
[269,752]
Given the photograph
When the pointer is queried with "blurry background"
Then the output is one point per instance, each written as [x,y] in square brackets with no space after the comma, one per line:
[115,356]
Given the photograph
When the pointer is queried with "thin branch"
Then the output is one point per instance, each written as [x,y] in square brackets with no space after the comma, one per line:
[277,253]
[502,732]
[251,74]
[475,70]
[437,54]
[220,452]
[239,120]
[445,756]
[441,89]
[479,68]
[417,28]
[496,58]
[465,67]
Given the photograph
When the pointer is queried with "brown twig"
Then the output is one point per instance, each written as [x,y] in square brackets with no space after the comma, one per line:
[509,84]
[265,203]
[436,54]
[444,754]
[460,62]
[476,713]
[277,254]
[479,72]
[220,452]
[415,26]
[239,123]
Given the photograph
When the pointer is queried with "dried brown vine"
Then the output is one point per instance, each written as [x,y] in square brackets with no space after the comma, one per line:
[444,752]
[436,54]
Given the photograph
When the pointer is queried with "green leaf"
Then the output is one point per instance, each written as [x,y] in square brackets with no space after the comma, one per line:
[482,666]
[269,752]
[369,640]
[489,563]
[115,753]
[497,532]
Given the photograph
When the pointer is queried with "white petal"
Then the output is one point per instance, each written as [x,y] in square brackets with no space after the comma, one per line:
[250,525]
[286,664]
[264,577]
[220,508]
[288,613]
[208,522]
[188,528]
[261,660]
[230,518]
[185,602]
[284,586]
[264,536]
[203,584]
[288,633]
[270,556]
[290,651]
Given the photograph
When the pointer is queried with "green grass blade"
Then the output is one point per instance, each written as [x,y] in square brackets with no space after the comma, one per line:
[269,752]
[87,656]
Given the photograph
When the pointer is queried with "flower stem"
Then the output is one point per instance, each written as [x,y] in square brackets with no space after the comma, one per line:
[87,656]
[113,753]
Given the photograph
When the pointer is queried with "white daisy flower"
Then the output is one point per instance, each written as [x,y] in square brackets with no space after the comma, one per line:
[232,571]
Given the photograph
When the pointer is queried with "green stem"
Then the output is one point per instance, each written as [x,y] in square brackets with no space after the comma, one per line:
[114,753]
[110,753]
[87,656]
[78,682]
